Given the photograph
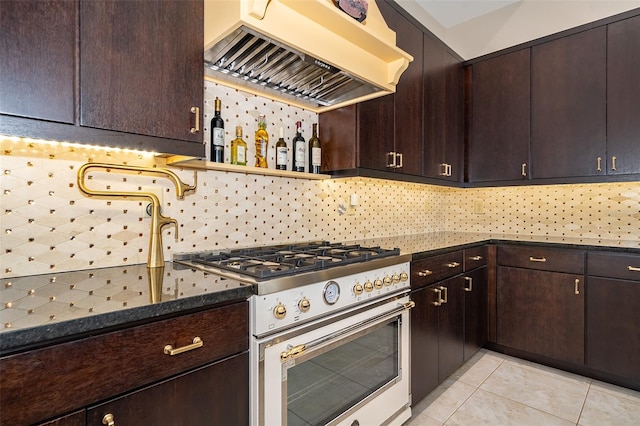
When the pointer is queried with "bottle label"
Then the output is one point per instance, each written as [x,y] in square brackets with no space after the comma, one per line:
[218,136]
[263,148]
[316,156]
[299,154]
[242,155]
[281,156]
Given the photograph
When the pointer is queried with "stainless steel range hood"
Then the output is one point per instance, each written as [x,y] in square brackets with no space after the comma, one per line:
[306,53]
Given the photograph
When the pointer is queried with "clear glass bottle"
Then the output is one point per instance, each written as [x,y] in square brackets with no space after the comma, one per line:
[299,149]
[262,143]
[217,134]
[239,149]
[281,152]
[315,151]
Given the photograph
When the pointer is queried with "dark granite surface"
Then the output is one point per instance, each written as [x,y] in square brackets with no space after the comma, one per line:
[42,308]
[45,308]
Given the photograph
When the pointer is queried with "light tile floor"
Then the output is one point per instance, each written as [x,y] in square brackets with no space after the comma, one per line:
[496,389]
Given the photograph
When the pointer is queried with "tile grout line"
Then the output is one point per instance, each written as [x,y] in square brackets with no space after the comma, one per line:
[584,403]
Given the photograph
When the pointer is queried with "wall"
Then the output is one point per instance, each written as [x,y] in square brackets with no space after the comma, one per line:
[48,226]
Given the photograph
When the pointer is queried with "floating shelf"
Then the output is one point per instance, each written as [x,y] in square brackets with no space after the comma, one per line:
[196,163]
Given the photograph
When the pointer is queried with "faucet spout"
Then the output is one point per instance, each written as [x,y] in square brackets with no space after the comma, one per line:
[158,221]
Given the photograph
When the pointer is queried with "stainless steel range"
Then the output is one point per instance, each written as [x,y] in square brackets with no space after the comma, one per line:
[329,331]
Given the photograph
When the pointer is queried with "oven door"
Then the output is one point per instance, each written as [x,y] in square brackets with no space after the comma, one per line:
[351,370]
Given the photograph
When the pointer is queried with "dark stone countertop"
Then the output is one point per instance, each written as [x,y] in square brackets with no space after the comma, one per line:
[39,309]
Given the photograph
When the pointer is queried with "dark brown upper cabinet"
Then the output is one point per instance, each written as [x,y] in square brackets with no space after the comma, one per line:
[443,112]
[623,97]
[568,105]
[142,67]
[37,59]
[499,124]
[116,73]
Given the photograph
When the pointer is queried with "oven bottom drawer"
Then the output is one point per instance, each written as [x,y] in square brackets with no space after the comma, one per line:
[355,368]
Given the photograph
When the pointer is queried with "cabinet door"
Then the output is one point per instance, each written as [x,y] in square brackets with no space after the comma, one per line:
[568,105]
[443,125]
[217,394]
[541,312]
[613,335]
[500,118]
[37,59]
[142,66]
[451,327]
[623,96]
[408,96]
[475,311]
[424,343]
[375,133]
[77,418]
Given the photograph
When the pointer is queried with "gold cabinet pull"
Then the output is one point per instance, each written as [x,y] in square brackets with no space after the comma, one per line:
[449,169]
[293,352]
[524,169]
[399,155]
[391,155]
[577,288]
[470,281]
[453,264]
[196,111]
[476,258]
[443,169]
[613,163]
[537,259]
[197,343]
[438,293]
[633,268]
[445,292]
[599,164]
[425,273]
[108,420]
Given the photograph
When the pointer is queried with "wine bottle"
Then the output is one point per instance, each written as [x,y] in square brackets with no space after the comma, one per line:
[299,148]
[262,143]
[281,152]
[217,134]
[239,149]
[315,151]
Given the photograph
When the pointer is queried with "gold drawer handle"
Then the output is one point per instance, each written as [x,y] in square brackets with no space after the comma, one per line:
[576,290]
[197,343]
[425,273]
[537,259]
[453,264]
[108,420]
[632,268]
[476,258]
[196,111]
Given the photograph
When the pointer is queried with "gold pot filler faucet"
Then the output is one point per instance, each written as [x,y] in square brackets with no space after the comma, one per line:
[158,221]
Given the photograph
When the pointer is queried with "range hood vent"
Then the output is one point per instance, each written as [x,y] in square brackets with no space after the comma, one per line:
[306,53]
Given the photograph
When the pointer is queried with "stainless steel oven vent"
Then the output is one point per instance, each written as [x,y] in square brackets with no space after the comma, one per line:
[246,58]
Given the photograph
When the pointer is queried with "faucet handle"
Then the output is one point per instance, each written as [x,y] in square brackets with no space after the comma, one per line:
[164,221]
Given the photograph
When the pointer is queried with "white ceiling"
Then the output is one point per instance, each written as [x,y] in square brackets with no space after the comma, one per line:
[453,12]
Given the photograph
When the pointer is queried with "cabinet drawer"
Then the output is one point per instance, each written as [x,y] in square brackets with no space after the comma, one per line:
[614,265]
[435,268]
[475,257]
[63,377]
[542,258]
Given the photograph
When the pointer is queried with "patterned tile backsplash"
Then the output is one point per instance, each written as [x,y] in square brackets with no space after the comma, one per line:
[48,226]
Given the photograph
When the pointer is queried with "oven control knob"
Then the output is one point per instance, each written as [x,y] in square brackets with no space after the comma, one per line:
[404,277]
[304,305]
[387,281]
[378,283]
[358,289]
[395,278]
[279,311]
[368,286]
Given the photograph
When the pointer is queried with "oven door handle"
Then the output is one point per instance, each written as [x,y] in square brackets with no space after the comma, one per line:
[295,351]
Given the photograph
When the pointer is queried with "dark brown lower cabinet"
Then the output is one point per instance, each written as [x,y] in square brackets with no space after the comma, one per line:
[475,311]
[613,331]
[77,418]
[437,335]
[541,312]
[212,395]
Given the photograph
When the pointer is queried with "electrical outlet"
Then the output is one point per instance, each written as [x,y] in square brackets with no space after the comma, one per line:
[478,207]
[145,207]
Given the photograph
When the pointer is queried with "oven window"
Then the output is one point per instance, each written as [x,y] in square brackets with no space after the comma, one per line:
[329,383]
